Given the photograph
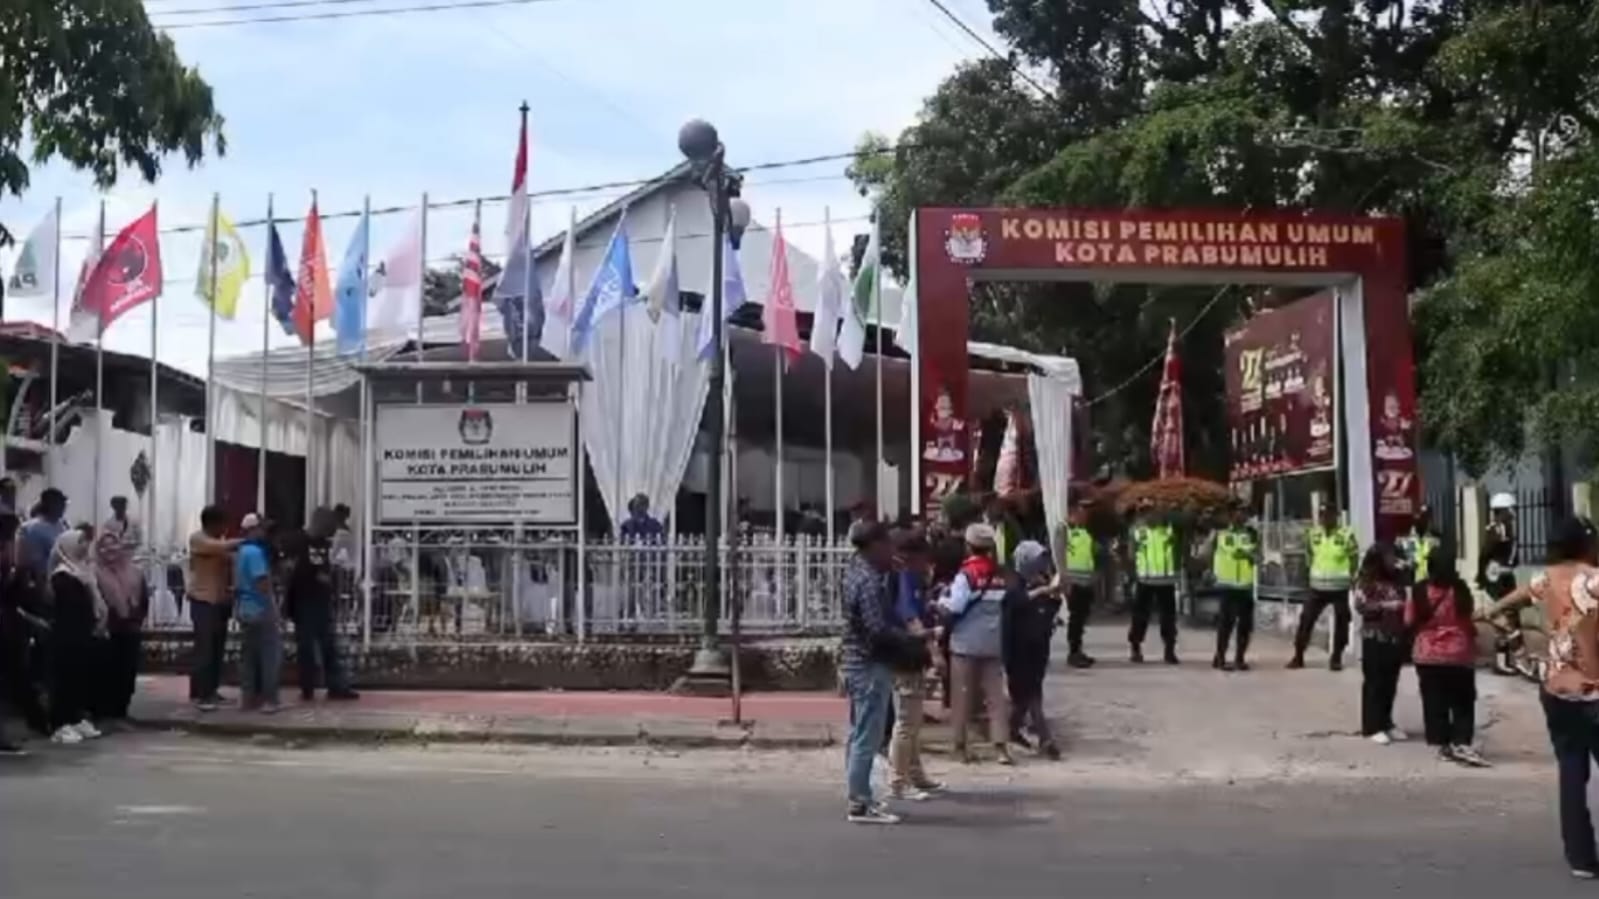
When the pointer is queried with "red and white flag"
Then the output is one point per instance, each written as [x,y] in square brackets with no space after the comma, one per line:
[472,292]
[127,274]
[779,320]
[1166,433]
[1008,470]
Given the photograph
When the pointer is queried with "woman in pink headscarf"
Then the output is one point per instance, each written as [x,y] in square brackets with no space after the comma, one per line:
[122,586]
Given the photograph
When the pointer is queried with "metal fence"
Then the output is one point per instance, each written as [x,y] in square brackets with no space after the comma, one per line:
[503,584]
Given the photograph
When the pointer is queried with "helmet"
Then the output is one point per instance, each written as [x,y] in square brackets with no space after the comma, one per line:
[1502,501]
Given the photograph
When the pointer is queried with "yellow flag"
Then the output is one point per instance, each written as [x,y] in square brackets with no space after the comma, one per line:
[232,267]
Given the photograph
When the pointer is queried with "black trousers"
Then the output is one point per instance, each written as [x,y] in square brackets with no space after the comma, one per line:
[1448,703]
[18,687]
[1320,600]
[1148,599]
[1079,603]
[1237,612]
[316,646]
[1381,661]
[115,673]
[1574,733]
[72,657]
[210,622]
[1026,664]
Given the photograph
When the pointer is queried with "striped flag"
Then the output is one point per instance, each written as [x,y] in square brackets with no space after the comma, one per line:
[1166,433]
[472,291]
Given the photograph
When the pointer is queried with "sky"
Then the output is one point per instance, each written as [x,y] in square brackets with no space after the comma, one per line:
[392,106]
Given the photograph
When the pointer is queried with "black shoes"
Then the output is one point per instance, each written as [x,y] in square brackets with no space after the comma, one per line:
[1080,659]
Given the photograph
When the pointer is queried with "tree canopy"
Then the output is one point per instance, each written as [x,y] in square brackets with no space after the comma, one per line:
[92,83]
[1438,111]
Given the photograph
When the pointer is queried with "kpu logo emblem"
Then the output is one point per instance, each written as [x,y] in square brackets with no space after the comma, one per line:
[964,240]
[476,427]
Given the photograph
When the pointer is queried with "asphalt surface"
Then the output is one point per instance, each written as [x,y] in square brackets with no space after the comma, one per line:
[174,817]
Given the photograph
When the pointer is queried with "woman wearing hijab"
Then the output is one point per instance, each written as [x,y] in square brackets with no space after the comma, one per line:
[122,588]
[78,616]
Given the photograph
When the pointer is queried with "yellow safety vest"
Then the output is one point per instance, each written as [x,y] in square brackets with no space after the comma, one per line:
[1418,548]
[1156,553]
[1234,560]
[1332,558]
[1079,555]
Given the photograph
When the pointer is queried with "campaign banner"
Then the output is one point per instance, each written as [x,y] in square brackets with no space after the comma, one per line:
[1282,390]
[499,462]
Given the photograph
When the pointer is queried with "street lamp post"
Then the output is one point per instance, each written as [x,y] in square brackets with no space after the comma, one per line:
[698,141]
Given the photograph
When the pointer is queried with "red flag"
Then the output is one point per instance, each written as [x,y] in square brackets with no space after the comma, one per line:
[1166,433]
[127,273]
[779,320]
[472,292]
[313,296]
[1008,471]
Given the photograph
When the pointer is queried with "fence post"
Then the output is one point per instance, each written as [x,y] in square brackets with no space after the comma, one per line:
[802,602]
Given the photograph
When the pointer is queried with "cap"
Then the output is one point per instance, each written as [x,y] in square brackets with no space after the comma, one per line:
[250,520]
[980,536]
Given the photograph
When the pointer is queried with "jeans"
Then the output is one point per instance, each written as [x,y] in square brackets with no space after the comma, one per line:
[1237,612]
[1574,732]
[1079,603]
[905,748]
[1311,611]
[1381,661]
[260,661]
[1448,703]
[210,622]
[871,690]
[971,675]
[316,645]
[1149,598]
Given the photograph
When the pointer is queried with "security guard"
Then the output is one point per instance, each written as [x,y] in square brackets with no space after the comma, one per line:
[1081,556]
[1155,561]
[1237,551]
[1416,546]
[1334,552]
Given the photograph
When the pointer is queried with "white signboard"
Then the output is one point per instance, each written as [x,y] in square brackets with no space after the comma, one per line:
[486,462]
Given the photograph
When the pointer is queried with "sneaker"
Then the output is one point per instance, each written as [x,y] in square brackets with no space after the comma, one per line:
[1585,873]
[1005,758]
[343,695]
[1171,657]
[1336,664]
[1397,735]
[1240,665]
[911,794]
[1080,659]
[1295,663]
[1020,740]
[270,708]
[870,813]
[67,735]
[933,787]
[1447,753]
[1470,757]
[1219,663]
[87,730]
[1380,738]
[1051,752]
[206,705]
[1136,656]
[14,750]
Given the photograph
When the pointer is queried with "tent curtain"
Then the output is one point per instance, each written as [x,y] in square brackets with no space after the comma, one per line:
[177,468]
[642,410]
[1051,401]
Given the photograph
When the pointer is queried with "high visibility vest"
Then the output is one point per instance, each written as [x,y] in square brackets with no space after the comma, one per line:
[1234,561]
[1418,549]
[1332,558]
[1079,556]
[1156,557]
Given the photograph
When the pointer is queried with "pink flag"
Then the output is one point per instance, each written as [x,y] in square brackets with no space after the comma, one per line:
[779,321]
[472,292]
[1166,433]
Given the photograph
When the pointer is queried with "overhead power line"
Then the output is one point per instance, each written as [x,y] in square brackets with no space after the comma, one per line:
[261,6]
[994,51]
[314,15]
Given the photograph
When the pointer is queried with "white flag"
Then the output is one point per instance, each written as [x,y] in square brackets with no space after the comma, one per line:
[395,287]
[84,326]
[34,274]
[663,297]
[829,299]
[906,336]
[561,298]
[862,306]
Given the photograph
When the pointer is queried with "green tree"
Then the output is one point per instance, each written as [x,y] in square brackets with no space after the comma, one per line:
[92,83]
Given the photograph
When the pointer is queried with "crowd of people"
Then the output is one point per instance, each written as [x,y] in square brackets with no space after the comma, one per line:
[74,598]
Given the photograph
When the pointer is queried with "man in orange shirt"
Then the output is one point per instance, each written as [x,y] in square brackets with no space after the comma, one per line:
[210,605]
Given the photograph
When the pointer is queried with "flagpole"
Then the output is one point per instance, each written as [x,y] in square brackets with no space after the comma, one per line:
[913,342]
[877,303]
[365,430]
[310,382]
[214,234]
[99,361]
[527,236]
[827,441]
[266,347]
[421,333]
[153,486]
[55,353]
[777,374]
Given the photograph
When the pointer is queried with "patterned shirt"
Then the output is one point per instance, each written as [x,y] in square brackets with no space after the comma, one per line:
[1569,596]
[867,613]
[1381,607]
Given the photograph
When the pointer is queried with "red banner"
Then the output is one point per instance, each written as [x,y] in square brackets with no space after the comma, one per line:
[1282,408]
[127,273]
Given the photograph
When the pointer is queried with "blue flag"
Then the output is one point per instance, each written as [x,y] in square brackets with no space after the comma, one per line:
[733,297]
[349,293]
[611,289]
[280,281]
[514,299]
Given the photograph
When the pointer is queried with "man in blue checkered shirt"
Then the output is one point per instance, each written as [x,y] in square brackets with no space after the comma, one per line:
[868,680]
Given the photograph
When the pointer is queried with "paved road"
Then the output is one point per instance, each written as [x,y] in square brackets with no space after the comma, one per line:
[163,817]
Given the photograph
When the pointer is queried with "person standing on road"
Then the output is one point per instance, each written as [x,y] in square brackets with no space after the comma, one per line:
[913,567]
[1233,561]
[123,588]
[37,542]
[1439,614]
[19,598]
[310,598]
[1333,554]
[1154,545]
[210,595]
[1082,557]
[1031,613]
[77,619]
[1413,549]
[260,626]
[1496,575]
[1380,590]
[975,606]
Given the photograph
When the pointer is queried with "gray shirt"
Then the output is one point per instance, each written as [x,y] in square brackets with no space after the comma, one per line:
[980,608]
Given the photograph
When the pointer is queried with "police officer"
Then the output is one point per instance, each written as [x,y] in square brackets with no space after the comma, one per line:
[1416,546]
[1237,552]
[1081,556]
[1334,552]
[1154,546]
[1496,574]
